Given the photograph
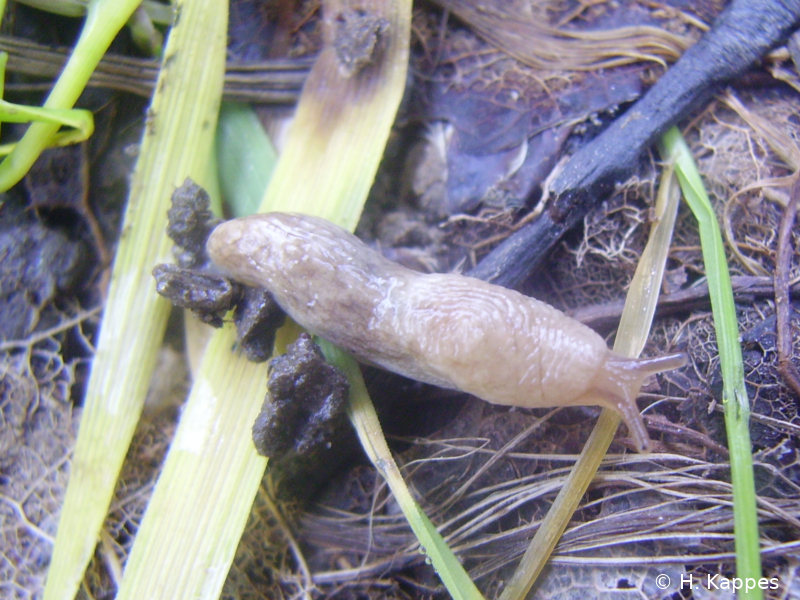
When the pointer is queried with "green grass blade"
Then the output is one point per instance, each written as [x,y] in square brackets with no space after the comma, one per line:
[735,402]
[365,421]
[198,511]
[246,158]
[67,8]
[3,57]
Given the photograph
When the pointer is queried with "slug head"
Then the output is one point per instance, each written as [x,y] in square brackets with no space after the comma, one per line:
[617,386]
[245,249]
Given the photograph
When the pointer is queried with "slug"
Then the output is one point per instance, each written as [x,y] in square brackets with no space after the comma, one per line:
[445,329]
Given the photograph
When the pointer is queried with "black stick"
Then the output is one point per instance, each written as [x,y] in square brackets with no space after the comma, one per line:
[744,32]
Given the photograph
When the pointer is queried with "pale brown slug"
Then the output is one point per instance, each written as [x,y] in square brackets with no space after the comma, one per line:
[449,330]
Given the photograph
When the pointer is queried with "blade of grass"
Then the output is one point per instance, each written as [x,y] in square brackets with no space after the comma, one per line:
[365,420]
[202,500]
[735,402]
[147,38]
[68,8]
[328,152]
[246,157]
[104,19]
[177,142]
[187,539]
[634,326]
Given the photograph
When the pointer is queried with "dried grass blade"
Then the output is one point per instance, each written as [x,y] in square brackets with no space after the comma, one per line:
[175,145]
[531,41]
[634,326]
[330,158]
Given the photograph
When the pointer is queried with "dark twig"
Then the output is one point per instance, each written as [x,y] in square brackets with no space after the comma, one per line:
[604,317]
[742,34]
[783,306]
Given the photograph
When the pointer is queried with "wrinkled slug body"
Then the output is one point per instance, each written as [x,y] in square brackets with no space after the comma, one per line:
[445,329]
[496,343]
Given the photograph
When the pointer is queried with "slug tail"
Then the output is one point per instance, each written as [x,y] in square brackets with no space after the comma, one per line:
[618,385]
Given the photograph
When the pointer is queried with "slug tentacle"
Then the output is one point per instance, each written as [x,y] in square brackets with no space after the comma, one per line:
[617,385]
[445,329]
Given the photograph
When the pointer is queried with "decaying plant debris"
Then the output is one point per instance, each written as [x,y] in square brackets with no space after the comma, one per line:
[489,474]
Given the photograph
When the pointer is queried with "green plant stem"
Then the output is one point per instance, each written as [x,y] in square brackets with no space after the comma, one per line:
[735,402]
[3,58]
[104,19]
[80,122]
[159,12]
[365,420]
